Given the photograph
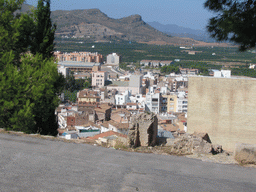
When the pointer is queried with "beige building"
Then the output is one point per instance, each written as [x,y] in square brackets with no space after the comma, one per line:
[79,56]
[99,78]
[225,108]
[88,96]
[171,102]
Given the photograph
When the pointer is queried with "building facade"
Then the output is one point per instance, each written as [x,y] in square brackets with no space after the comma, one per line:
[99,78]
[113,59]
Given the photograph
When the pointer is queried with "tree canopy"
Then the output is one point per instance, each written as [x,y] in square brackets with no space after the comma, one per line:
[29,82]
[235,21]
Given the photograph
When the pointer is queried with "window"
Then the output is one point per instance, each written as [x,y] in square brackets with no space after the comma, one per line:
[156,100]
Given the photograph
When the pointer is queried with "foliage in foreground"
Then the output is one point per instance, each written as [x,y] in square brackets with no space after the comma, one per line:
[29,83]
[235,21]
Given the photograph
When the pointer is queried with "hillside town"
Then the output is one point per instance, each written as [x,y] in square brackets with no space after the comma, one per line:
[106,112]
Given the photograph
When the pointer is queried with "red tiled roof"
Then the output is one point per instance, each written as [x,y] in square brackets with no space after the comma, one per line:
[106,134]
[131,103]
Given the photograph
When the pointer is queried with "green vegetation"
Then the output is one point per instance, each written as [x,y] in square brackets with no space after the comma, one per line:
[135,52]
[30,83]
[72,86]
[132,52]
[235,21]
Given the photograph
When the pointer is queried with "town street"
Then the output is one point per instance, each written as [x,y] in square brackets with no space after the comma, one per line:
[35,164]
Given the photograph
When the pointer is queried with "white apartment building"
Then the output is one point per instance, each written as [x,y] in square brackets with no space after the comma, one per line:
[153,102]
[113,59]
[122,99]
[138,99]
[182,102]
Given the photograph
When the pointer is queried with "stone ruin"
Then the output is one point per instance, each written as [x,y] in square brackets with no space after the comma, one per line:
[143,130]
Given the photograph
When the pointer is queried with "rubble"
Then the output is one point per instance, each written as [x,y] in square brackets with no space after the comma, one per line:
[193,143]
[245,153]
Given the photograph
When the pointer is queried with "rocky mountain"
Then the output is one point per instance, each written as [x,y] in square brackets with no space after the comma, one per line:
[92,23]
[95,25]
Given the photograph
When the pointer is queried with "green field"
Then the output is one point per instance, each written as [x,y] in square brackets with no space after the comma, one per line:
[134,52]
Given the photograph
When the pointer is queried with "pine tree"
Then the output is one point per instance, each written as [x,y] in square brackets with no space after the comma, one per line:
[43,36]
[29,84]
[235,21]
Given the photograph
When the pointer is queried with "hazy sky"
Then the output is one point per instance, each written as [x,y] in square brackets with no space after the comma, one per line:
[185,13]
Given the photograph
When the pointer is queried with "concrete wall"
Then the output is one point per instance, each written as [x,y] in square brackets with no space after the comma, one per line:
[225,108]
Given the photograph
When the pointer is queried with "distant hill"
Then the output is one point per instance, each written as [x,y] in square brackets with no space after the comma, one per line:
[97,26]
[92,23]
[179,31]
[24,8]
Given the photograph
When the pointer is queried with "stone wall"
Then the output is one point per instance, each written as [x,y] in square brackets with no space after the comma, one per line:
[143,130]
[225,108]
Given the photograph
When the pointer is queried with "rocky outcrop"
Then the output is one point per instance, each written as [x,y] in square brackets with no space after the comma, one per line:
[143,130]
[245,153]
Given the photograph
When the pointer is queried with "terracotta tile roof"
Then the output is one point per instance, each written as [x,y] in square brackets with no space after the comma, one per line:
[120,111]
[106,134]
[145,61]
[87,93]
[131,103]
[105,124]
[102,109]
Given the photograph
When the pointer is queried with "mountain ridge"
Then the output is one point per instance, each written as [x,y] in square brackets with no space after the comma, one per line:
[97,26]
[175,30]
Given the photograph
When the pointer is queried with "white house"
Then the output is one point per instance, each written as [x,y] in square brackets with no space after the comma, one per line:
[121,99]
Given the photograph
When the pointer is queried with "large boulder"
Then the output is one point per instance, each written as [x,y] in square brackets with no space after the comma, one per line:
[245,153]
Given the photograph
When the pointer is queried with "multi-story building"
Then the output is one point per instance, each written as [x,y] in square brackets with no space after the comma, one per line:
[182,99]
[179,82]
[88,96]
[134,85]
[113,59]
[87,101]
[99,78]
[79,56]
[169,102]
[153,102]
[122,99]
